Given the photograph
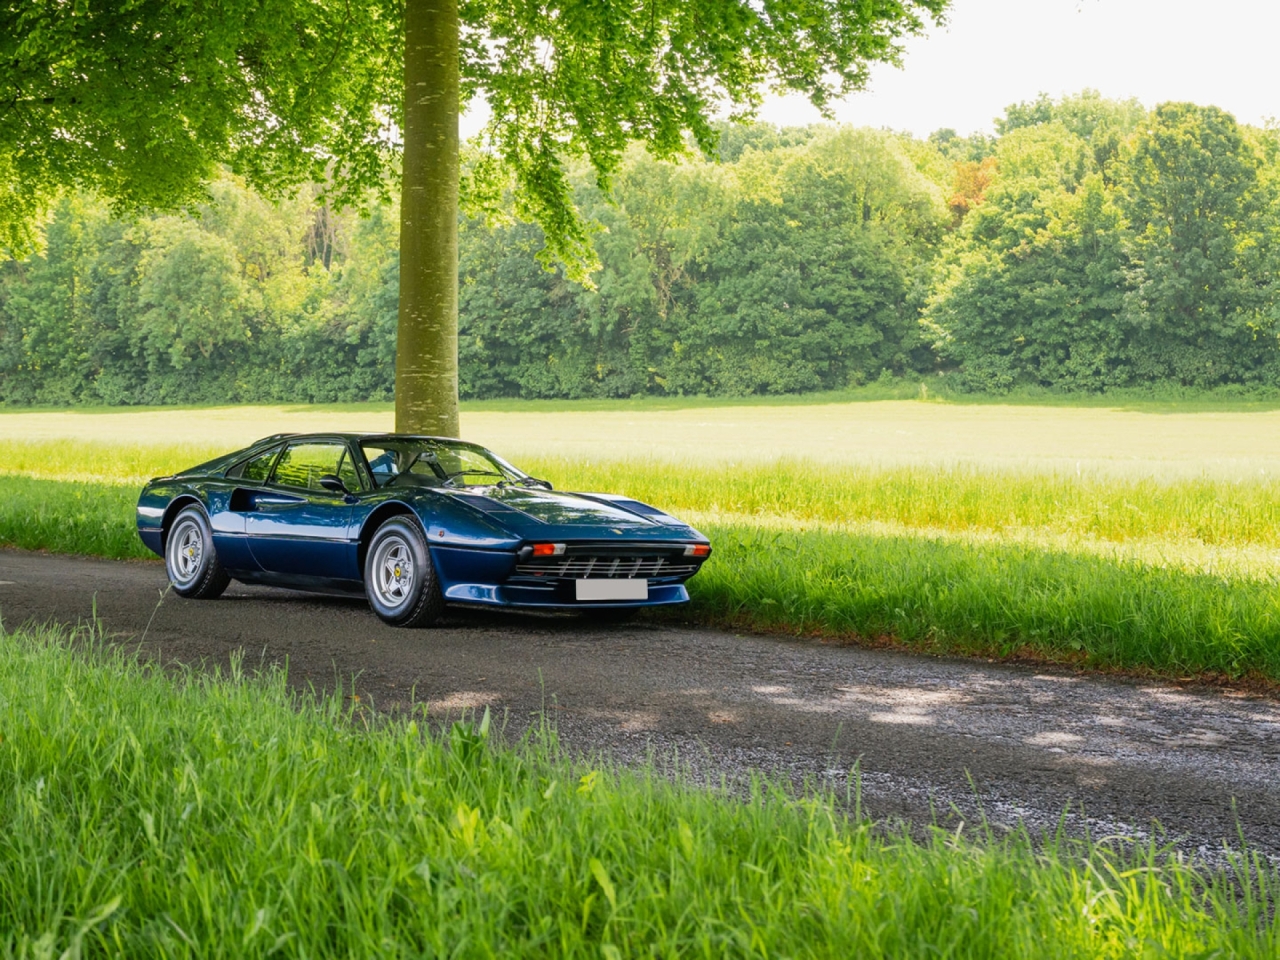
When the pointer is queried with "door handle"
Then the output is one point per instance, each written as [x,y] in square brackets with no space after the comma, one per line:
[276,500]
[247,501]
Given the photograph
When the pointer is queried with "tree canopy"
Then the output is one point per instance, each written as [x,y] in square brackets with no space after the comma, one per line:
[141,101]
[1117,246]
[1085,257]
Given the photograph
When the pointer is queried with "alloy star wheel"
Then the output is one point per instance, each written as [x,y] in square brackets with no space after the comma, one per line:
[394,571]
[186,550]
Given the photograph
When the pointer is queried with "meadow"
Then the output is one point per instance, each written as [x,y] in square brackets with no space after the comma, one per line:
[191,814]
[1161,440]
[1139,563]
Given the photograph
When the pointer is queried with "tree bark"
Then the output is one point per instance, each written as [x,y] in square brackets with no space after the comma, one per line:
[427,335]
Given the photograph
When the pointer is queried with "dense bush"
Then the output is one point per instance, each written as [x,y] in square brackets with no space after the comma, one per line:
[1091,245]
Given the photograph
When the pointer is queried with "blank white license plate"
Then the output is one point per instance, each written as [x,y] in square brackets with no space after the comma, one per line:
[612,589]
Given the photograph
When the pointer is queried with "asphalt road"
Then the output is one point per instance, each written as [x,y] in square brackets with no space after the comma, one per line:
[931,737]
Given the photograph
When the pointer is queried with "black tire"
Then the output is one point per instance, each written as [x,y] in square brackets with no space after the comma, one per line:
[190,558]
[610,614]
[399,578]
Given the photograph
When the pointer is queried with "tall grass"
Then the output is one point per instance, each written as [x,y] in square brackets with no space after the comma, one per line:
[957,498]
[101,462]
[93,519]
[146,815]
[992,600]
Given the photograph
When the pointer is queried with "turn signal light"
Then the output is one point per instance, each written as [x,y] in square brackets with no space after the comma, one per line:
[548,549]
[698,550]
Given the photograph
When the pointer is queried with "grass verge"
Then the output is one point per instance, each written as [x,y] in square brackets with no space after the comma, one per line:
[1001,601]
[92,519]
[195,815]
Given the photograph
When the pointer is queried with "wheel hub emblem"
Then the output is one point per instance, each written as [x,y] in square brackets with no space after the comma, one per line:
[397,570]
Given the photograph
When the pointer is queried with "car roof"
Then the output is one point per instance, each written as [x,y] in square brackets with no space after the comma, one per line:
[358,437]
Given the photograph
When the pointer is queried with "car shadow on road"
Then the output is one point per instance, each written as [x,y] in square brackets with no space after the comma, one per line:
[456,616]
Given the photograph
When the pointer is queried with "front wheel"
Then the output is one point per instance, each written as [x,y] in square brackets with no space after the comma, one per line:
[190,558]
[399,579]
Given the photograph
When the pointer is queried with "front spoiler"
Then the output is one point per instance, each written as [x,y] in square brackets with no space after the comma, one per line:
[543,598]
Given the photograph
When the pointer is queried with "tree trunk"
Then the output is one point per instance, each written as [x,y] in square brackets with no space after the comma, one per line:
[427,336]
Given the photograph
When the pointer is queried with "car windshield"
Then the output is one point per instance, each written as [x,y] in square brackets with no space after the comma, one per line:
[430,462]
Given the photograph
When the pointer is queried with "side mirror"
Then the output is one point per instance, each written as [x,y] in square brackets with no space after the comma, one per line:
[333,484]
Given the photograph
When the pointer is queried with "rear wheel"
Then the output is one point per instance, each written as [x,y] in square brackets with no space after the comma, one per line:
[190,558]
[399,578]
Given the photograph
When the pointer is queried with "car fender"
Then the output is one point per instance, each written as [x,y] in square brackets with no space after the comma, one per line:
[158,504]
[444,523]
[451,522]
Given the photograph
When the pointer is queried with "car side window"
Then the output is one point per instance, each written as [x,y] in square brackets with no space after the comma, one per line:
[303,464]
[347,472]
[255,469]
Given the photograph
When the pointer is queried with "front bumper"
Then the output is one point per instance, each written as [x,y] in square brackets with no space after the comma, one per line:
[498,578]
[556,596]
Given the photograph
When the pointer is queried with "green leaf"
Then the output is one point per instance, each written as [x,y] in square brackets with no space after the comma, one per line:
[602,877]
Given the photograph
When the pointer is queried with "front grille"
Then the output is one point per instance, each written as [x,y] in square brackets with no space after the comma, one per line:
[591,568]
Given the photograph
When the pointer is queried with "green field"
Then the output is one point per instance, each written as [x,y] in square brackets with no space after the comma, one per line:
[193,815]
[1121,566]
[1159,441]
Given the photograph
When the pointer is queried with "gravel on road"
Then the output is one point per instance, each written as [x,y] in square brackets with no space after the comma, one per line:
[929,737]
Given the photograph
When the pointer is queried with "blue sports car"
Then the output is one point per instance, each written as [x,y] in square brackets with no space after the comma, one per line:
[413,523]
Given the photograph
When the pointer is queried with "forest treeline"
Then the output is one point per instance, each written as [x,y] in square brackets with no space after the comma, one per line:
[1090,244]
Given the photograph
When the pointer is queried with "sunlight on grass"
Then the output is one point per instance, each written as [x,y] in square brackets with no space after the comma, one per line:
[1228,561]
[1209,523]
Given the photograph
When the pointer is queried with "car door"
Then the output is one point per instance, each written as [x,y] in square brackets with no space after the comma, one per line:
[230,534]
[296,526]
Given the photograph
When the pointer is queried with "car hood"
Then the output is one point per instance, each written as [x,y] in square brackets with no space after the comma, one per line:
[537,513]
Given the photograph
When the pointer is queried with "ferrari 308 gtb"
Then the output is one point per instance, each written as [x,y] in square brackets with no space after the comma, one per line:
[414,523]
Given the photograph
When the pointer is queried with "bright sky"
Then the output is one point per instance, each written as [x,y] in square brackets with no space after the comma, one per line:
[995,52]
